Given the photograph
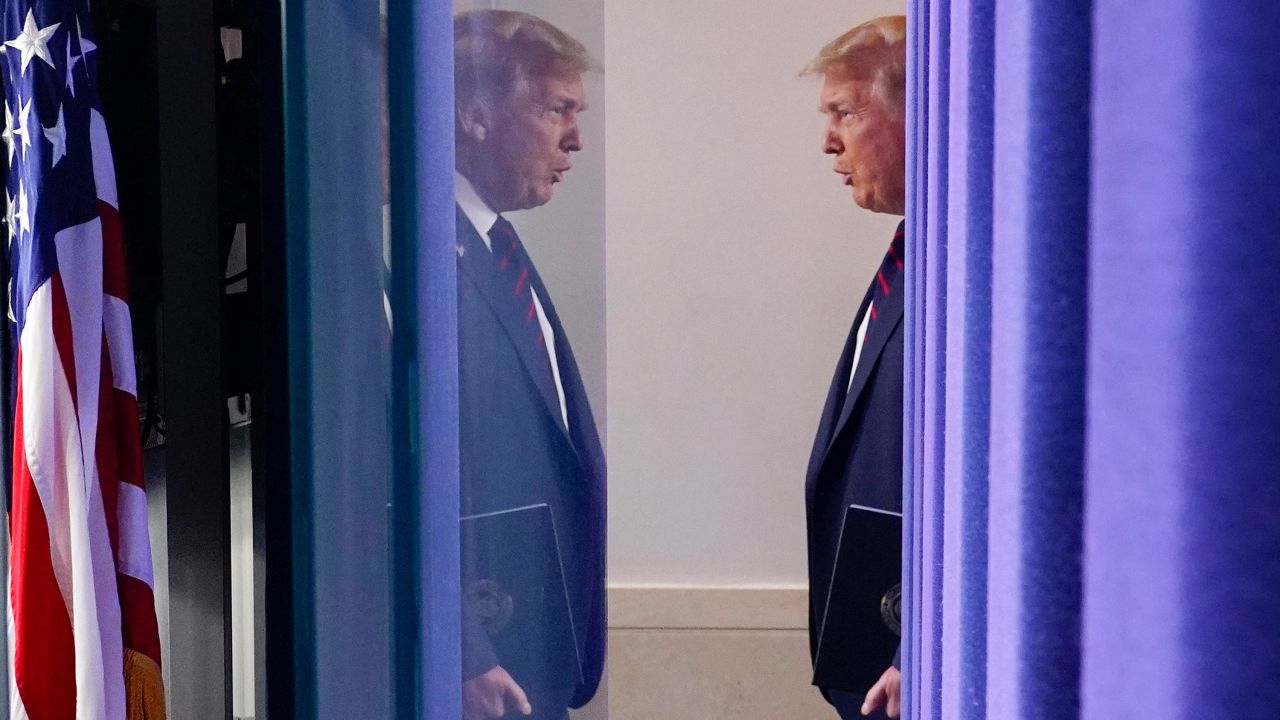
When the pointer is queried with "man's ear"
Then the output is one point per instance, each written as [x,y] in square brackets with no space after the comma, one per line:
[473,119]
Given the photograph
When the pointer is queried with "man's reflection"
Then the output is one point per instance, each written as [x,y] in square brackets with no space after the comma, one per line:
[528,435]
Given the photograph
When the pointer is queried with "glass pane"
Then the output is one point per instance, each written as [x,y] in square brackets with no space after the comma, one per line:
[340,348]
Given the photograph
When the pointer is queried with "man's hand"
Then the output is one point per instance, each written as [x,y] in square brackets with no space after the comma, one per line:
[489,695]
[886,691]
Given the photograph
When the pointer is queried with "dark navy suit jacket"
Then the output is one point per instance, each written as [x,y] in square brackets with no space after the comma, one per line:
[516,451]
[857,454]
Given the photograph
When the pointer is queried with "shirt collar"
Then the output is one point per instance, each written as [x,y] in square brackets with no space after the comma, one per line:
[482,216]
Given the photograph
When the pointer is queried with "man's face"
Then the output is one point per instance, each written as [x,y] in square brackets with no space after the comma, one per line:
[868,141]
[526,148]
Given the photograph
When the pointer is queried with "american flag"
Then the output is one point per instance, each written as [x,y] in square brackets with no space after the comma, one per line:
[82,626]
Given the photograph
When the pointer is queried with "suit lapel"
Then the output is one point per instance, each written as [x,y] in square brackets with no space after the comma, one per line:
[477,263]
[887,320]
[837,391]
[582,432]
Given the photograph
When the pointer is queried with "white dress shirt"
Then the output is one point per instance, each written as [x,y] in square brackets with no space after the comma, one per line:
[857,349]
[482,218]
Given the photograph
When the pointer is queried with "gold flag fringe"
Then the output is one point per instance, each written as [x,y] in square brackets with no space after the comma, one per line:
[143,687]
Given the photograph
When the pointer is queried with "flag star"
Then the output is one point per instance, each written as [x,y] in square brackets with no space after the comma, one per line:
[10,219]
[24,112]
[33,41]
[71,66]
[57,137]
[86,45]
[461,251]
[8,131]
[22,216]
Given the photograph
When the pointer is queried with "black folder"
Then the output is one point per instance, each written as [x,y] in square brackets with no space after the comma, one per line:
[513,585]
[855,641]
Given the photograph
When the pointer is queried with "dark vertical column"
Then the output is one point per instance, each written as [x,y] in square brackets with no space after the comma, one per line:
[273,555]
[195,410]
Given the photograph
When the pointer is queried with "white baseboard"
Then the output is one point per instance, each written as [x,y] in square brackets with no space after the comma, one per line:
[687,607]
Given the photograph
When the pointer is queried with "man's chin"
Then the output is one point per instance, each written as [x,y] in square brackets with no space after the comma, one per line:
[533,200]
[544,195]
[864,200]
[873,202]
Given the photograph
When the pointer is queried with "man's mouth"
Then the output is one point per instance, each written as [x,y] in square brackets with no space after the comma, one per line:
[558,175]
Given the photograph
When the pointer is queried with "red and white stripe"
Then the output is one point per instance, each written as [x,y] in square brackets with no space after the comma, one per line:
[81,586]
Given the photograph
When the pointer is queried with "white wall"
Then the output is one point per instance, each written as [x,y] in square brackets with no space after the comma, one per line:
[735,263]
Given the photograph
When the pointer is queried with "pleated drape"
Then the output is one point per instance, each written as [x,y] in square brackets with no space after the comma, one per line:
[968,372]
[1182,531]
[1092,472]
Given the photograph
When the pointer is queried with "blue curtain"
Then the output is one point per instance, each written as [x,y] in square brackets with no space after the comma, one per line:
[1093,462]
[1183,519]
[420,67]
[421,105]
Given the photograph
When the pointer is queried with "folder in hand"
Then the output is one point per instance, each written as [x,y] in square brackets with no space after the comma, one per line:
[513,585]
[856,637]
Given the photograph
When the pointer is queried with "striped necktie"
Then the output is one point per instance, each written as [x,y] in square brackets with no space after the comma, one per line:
[515,267]
[889,270]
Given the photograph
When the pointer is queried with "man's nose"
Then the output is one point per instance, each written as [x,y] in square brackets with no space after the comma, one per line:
[831,144]
[572,141]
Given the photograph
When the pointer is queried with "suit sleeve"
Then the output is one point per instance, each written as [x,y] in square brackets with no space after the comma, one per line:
[897,657]
[478,656]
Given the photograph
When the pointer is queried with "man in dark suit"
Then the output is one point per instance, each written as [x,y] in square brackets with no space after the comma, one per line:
[857,455]
[528,435]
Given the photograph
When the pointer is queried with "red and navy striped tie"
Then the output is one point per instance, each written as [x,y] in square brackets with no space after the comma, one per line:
[515,266]
[888,272]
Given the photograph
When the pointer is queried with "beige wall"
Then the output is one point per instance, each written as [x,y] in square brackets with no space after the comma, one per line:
[735,263]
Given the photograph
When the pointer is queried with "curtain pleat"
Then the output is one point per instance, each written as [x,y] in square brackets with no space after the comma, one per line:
[912,505]
[968,367]
[1182,532]
[1039,258]
[933,266]
[913,498]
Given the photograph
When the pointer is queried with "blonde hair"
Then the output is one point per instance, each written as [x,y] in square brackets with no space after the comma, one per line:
[876,50]
[494,50]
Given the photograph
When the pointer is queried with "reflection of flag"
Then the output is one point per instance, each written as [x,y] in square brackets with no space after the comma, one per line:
[82,623]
